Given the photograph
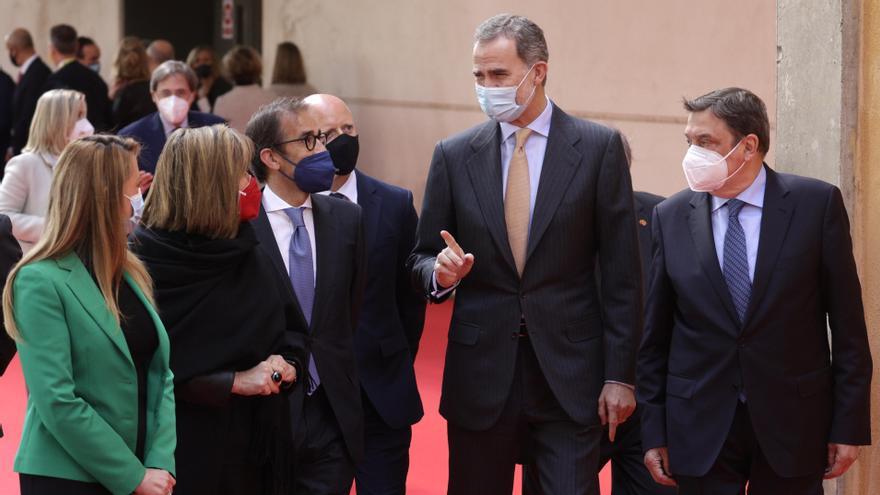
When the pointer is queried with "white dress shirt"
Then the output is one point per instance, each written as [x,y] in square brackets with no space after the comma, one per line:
[749,218]
[282,225]
[349,188]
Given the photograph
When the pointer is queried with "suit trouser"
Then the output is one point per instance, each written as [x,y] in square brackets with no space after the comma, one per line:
[741,460]
[629,476]
[321,464]
[482,462]
[386,463]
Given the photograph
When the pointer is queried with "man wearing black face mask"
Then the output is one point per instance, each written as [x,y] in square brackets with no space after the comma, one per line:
[393,314]
[316,244]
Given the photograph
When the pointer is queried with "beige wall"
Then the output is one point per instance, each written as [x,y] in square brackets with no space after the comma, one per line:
[405,66]
[100,20]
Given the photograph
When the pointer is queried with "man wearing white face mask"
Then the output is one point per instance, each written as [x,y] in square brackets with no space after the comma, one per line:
[173,87]
[737,381]
[516,212]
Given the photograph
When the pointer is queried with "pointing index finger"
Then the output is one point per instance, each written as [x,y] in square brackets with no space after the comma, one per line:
[451,242]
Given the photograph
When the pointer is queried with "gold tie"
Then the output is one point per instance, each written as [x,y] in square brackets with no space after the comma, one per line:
[516,201]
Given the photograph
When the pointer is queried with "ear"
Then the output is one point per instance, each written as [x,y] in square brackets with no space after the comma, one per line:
[750,144]
[540,70]
[269,160]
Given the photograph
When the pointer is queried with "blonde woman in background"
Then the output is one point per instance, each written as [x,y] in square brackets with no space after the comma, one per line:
[94,353]
[289,73]
[60,118]
[243,66]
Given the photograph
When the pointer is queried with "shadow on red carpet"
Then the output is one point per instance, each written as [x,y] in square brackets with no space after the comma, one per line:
[428,470]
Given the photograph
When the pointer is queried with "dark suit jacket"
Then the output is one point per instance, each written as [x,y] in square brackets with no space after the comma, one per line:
[10,253]
[393,314]
[24,102]
[75,75]
[7,90]
[584,207]
[150,133]
[338,295]
[696,358]
[644,205]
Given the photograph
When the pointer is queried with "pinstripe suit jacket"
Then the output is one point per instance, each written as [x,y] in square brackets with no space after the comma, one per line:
[584,207]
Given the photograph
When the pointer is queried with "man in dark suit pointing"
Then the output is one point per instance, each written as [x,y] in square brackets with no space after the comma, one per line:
[738,381]
[525,204]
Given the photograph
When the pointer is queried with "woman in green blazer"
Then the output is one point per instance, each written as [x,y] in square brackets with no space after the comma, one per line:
[100,411]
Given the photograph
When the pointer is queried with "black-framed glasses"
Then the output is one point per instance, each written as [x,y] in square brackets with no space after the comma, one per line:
[309,140]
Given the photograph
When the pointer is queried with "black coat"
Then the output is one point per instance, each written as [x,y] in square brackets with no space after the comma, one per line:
[584,207]
[24,102]
[7,90]
[75,75]
[10,253]
[132,102]
[696,358]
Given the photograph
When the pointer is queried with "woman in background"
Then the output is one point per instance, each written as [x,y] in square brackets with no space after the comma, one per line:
[203,62]
[289,73]
[225,319]
[131,89]
[60,117]
[94,353]
[245,68]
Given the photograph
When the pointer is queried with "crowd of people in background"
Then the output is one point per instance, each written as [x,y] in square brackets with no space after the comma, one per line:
[212,298]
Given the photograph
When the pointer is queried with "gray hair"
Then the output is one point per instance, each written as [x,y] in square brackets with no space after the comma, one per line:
[531,46]
[171,67]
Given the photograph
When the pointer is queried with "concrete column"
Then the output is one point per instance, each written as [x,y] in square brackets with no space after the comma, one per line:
[828,126]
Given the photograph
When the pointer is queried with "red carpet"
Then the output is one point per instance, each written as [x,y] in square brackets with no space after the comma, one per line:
[428,470]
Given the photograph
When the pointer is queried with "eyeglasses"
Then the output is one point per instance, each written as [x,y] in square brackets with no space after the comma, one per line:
[310,140]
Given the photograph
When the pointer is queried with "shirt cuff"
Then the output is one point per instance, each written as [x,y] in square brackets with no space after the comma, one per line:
[437,292]
[627,385]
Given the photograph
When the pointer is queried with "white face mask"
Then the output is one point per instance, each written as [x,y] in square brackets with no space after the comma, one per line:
[706,170]
[173,109]
[82,128]
[137,208]
[500,103]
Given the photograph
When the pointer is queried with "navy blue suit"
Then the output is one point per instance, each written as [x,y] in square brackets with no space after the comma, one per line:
[387,337]
[150,133]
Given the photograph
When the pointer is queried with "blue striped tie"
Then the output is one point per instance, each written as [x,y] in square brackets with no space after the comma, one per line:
[736,260]
[302,278]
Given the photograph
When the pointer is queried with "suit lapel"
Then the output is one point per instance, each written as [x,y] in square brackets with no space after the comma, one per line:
[89,296]
[561,160]
[700,222]
[775,220]
[266,237]
[371,207]
[484,169]
[325,245]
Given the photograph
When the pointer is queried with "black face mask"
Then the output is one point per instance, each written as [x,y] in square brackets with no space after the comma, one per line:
[344,153]
[12,59]
[204,71]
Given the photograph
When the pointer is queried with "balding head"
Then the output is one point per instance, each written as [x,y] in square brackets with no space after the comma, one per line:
[332,114]
[160,51]
[20,46]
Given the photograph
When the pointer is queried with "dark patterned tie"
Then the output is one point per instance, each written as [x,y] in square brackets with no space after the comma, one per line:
[736,260]
[302,278]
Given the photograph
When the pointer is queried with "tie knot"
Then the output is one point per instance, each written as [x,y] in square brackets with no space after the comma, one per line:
[521,136]
[296,216]
[734,206]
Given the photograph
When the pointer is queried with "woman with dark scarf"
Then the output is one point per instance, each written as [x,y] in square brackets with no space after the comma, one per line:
[226,321]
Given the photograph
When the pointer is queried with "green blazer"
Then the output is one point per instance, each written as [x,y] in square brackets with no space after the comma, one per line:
[81,421]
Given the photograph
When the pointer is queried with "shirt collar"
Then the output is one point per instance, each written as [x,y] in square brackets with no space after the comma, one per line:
[273,202]
[753,195]
[168,128]
[348,188]
[27,63]
[540,125]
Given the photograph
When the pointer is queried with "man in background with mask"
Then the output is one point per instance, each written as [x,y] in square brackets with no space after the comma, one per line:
[88,53]
[737,379]
[393,315]
[173,88]
[31,79]
[316,245]
[516,213]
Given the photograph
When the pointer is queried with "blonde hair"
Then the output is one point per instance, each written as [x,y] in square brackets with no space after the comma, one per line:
[86,216]
[131,62]
[196,185]
[57,112]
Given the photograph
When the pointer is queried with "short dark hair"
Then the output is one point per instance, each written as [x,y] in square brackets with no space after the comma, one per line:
[63,38]
[742,111]
[82,42]
[265,129]
[243,65]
